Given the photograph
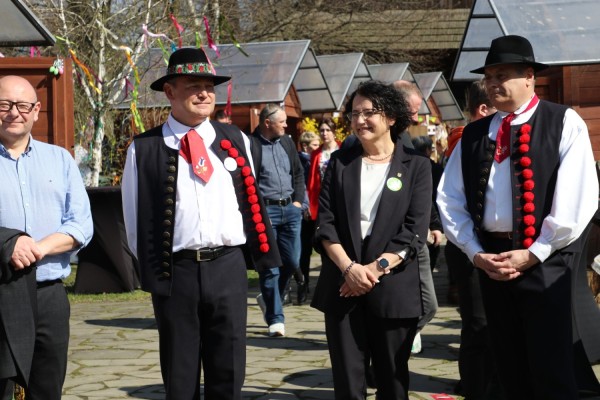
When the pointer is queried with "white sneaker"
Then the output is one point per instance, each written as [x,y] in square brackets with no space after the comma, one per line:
[262,305]
[416,346]
[277,329]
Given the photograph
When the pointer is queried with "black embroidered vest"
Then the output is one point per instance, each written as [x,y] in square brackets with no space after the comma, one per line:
[157,187]
[478,155]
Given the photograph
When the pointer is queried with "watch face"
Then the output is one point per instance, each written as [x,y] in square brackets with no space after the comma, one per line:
[383,263]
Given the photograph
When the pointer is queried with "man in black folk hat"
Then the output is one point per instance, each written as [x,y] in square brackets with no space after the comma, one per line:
[516,196]
[195,221]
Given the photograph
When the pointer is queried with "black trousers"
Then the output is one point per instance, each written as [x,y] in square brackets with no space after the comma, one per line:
[203,322]
[476,365]
[529,320]
[307,234]
[49,366]
[354,337]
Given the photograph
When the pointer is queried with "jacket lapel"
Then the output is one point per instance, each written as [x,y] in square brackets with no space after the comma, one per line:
[351,189]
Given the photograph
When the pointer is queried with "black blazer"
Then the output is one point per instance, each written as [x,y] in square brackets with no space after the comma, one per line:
[400,224]
[17,312]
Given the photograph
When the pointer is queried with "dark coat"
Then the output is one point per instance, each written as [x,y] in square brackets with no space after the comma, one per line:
[17,313]
[401,224]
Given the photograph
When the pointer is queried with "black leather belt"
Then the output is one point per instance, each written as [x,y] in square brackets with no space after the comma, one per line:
[43,284]
[499,235]
[205,254]
[280,202]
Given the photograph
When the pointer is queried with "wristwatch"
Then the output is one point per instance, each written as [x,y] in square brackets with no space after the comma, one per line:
[384,264]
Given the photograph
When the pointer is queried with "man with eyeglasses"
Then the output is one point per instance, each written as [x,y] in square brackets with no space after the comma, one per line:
[280,178]
[42,195]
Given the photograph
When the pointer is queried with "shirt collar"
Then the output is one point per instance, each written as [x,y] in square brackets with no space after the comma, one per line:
[204,129]
[4,152]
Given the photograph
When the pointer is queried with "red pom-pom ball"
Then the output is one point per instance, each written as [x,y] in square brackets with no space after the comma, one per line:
[257,218]
[528,197]
[253,199]
[260,227]
[524,138]
[525,162]
[529,184]
[246,171]
[524,148]
[525,129]
[225,144]
[262,237]
[249,180]
[251,190]
[529,207]
[240,161]
[527,243]
[254,208]
[529,231]
[233,152]
[527,173]
[529,220]
[264,248]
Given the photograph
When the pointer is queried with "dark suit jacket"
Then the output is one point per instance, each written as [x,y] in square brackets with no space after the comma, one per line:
[17,312]
[401,223]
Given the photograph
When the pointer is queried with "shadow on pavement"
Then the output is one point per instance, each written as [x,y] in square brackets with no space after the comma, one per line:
[133,323]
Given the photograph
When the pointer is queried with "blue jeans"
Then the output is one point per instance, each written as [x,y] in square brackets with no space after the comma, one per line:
[286,222]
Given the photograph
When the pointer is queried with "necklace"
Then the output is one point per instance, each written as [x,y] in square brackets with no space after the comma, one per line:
[379,159]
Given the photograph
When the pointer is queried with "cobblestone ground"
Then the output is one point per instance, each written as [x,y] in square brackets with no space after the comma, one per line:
[114,353]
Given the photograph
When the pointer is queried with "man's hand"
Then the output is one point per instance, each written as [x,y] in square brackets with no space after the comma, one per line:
[520,260]
[25,253]
[436,237]
[496,266]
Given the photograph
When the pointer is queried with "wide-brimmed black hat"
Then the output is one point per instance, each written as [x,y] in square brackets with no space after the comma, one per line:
[511,49]
[188,62]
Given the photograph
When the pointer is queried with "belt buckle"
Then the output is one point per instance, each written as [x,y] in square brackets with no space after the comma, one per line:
[199,256]
[509,235]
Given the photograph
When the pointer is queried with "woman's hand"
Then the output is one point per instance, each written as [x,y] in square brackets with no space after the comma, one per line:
[359,280]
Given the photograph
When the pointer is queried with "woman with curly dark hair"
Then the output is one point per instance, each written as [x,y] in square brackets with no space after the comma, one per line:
[374,212]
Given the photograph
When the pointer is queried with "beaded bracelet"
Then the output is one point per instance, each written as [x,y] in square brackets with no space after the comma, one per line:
[348,268]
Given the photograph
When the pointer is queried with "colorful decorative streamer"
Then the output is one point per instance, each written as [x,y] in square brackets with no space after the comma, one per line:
[228,105]
[86,70]
[211,43]
[225,25]
[179,29]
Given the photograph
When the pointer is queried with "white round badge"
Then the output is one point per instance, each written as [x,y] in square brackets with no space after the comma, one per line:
[230,164]
[394,184]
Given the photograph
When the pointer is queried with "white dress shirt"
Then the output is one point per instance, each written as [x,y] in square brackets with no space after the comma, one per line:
[207,214]
[575,198]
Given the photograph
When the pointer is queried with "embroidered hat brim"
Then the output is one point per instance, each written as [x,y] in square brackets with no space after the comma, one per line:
[188,62]
[511,49]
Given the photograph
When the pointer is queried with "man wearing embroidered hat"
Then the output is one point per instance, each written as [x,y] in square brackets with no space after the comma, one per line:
[199,223]
[516,197]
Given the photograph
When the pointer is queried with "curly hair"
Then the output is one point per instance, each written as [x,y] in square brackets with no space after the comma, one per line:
[385,98]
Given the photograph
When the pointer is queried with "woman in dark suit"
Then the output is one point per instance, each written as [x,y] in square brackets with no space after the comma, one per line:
[374,212]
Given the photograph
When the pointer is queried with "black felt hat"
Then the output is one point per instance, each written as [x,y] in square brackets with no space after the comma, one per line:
[188,62]
[511,49]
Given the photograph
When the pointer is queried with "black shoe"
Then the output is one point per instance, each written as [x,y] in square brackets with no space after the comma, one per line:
[302,292]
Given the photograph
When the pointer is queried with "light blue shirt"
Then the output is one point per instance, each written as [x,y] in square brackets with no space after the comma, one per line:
[42,193]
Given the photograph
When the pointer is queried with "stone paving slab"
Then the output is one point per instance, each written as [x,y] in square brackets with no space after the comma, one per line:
[114,354]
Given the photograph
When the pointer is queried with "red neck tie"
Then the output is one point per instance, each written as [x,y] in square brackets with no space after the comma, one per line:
[194,152]
[503,136]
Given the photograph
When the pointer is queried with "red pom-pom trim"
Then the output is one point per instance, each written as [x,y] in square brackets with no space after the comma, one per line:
[255,208]
[225,144]
[529,231]
[529,207]
[233,152]
[528,197]
[246,171]
[529,184]
[524,148]
[251,190]
[527,243]
[525,129]
[527,173]
[525,162]
[253,199]
[249,180]
[262,238]
[260,227]
[264,248]
[524,139]
[257,218]
[529,220]
[240,161]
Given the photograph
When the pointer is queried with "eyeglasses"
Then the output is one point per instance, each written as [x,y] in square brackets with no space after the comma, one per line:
[22,106]
[366,114]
